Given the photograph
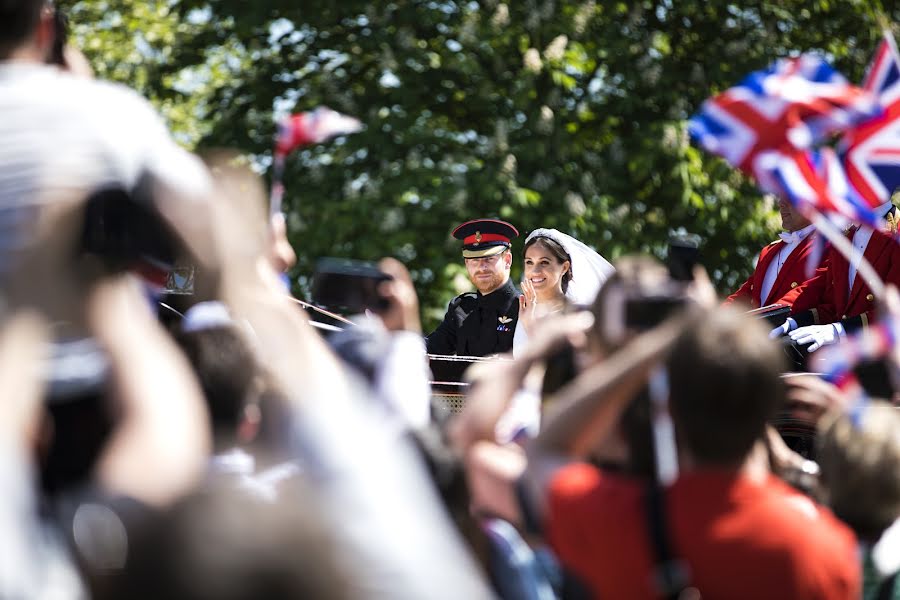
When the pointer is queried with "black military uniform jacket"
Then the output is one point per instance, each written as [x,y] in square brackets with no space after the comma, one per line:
[477,325]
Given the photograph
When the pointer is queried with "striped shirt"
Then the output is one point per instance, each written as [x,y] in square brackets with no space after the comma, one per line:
[62,137]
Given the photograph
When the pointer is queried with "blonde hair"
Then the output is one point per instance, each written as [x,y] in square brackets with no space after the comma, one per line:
[860,464]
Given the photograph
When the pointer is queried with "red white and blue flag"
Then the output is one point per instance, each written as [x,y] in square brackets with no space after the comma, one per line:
[312,127]
[303,129]
[795,104]
[871,151]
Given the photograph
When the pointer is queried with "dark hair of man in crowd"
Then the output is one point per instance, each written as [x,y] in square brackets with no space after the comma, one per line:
[226,369]
[18,21]
[860,464]
[223,543]
[558,252]
[725,384]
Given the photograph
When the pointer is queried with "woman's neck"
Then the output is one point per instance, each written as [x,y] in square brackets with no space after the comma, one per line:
[552,297]
[550,304]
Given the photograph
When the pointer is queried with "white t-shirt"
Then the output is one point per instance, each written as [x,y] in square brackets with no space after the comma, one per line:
[65,136]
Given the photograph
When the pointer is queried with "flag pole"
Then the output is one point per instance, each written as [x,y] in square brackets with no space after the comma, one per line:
[277,191]
[850,252]
[885,23]
[889,36]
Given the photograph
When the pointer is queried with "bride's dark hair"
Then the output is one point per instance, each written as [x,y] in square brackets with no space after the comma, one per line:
[558,252]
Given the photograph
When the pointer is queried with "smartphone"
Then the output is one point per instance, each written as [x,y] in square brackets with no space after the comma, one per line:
[349,286]
[683,255]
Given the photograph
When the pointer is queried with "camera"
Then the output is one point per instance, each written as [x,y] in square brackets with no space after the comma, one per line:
[122,228]
[349,286]
[76,377]
[641,295]
[653,301]
[647,312]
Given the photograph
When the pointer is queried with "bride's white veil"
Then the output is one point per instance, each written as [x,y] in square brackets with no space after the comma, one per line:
[589,269]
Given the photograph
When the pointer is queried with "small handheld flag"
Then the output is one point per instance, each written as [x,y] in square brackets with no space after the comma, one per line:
[313,127]
[303,129]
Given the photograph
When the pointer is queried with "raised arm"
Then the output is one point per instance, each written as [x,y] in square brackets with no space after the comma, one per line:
[588,408]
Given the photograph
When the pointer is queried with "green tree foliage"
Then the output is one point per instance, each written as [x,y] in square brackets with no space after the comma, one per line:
[548,113]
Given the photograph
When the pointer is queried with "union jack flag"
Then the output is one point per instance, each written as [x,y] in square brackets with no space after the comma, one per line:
[871,151]
[814,180]
[793,105]
[312,127]
[303,129]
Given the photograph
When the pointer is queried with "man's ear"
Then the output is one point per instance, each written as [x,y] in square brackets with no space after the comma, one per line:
[507,258]
[45,33]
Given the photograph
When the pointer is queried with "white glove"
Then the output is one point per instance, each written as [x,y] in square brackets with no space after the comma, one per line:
[818,335]
[788,326]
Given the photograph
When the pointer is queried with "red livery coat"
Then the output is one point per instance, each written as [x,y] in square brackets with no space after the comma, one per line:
[791,275]
[826,299]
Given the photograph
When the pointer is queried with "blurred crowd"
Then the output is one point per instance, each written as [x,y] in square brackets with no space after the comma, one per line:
[224,445]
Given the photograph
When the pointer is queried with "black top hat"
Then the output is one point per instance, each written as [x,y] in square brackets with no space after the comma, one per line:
[484,237]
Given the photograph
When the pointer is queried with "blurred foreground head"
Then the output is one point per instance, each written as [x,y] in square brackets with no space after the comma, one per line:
[637,296]
[221,543]
[229,376]
[725,384]
[20,22]
[860,465]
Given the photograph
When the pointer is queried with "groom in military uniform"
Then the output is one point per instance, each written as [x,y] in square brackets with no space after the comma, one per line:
[482,322]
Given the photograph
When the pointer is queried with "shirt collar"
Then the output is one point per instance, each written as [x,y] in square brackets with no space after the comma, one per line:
[793,237]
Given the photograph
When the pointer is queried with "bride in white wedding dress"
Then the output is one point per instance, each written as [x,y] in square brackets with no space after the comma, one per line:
[559,270]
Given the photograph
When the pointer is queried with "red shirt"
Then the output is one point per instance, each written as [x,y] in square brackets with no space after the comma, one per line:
[739,538]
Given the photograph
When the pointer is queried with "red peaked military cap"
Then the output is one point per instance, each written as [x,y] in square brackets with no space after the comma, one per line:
[484,237]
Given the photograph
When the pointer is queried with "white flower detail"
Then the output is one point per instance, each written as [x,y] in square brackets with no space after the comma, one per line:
[532,61]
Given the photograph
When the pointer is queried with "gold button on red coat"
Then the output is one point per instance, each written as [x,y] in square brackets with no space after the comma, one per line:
[793,284]
[870,297]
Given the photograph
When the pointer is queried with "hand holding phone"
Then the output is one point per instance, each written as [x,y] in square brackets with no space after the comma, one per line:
[401,312]
[349,286]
